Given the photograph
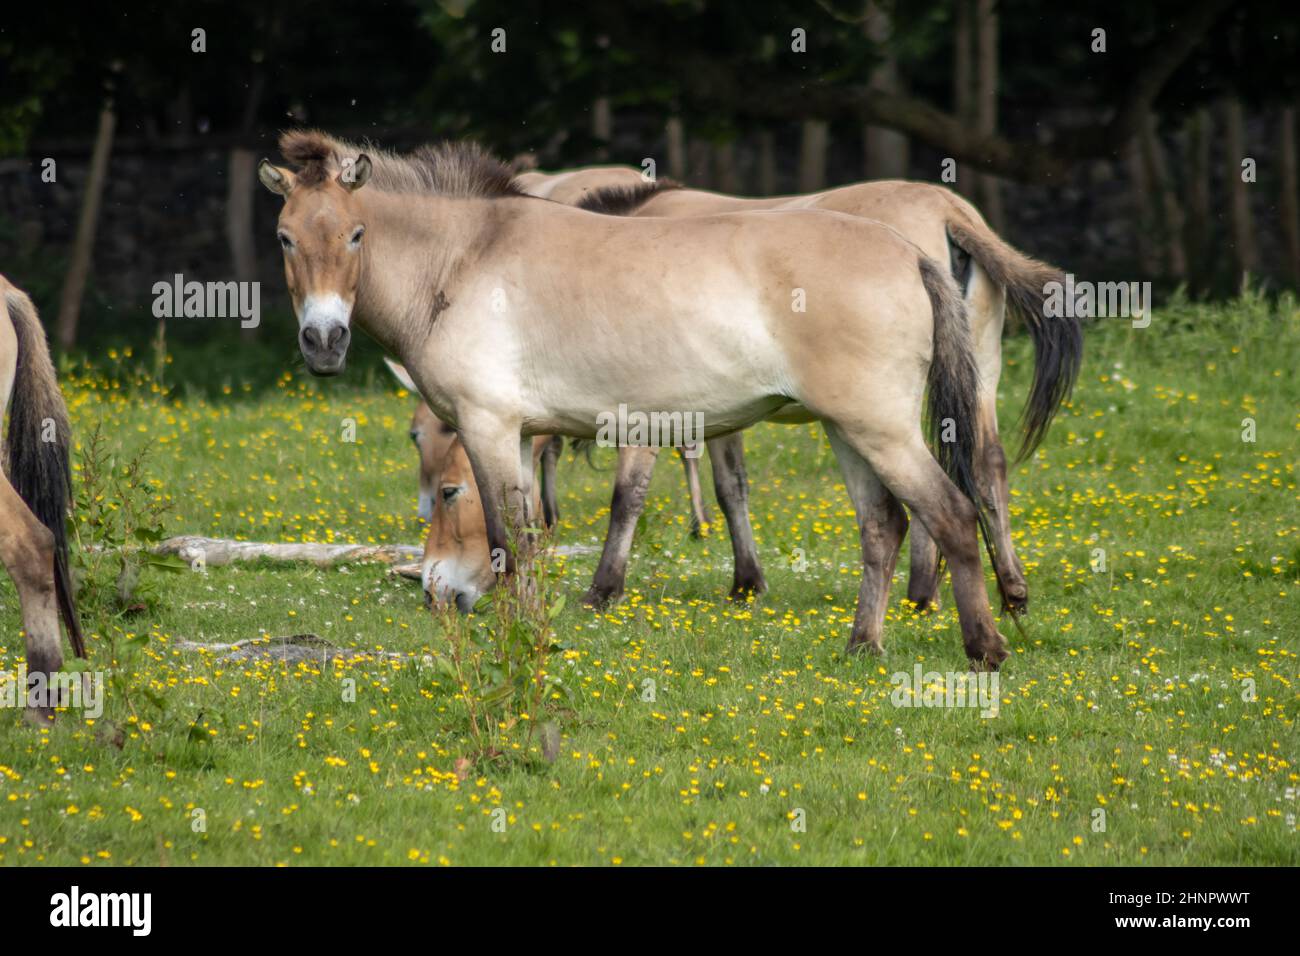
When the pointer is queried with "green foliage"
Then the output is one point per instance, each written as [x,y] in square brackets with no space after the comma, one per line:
[497,657]
[117,516]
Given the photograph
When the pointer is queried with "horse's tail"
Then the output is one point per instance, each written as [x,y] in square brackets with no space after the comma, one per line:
[37,446]
[953,386]
[1058,340]
[584,447]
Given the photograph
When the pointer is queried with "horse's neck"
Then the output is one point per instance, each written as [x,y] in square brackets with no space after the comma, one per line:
[415,248]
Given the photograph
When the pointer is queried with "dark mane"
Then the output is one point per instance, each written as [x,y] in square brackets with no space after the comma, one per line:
[624,200]
[443,169]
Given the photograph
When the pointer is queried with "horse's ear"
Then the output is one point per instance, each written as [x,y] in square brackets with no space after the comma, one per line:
[356,175]
[279,181]
[402,375]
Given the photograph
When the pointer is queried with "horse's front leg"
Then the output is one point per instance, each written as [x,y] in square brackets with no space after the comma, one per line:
[635,466]
[503,472]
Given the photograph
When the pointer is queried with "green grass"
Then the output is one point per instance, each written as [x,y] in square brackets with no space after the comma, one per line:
[1126,694]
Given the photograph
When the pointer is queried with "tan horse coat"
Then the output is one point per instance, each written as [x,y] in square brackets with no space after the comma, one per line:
[516,316]
[35,494]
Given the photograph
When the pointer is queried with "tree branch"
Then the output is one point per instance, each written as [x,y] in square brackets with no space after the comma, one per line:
[1019,160]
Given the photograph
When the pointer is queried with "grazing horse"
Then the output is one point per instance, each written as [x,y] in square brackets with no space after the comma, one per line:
[517,316]
[425,423]
[34,497]
[948,229]
[428,435]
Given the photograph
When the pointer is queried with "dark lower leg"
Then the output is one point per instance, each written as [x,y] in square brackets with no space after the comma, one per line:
[954,528]
[916,478]
[881,535]
[635,466]
[550,499]
[923,572]
[731,485]
[997,499]
[690,455]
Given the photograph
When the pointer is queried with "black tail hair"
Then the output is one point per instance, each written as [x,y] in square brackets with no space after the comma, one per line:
[1058,340]
[953,388]
[39,469]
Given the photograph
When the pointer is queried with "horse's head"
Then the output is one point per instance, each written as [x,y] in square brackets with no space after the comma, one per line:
[320,231]
[457,564]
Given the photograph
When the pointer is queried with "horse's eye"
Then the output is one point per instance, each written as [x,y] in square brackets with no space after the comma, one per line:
[449,493]
[415,436]
[356,235]
[285,242]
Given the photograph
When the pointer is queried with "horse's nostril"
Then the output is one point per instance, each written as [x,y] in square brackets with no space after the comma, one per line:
[338,337]
[310,338]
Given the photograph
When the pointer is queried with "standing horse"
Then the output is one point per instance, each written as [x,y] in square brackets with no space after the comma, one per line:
[948,229]
[34,497]
[517,316]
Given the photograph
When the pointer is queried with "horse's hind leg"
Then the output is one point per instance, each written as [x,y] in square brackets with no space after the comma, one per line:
[690,455]
[550,500]
[881,527]
[923,569]
[908,470]
[991,472]
[731,485]
[987,310]
[635,466]
[27,551]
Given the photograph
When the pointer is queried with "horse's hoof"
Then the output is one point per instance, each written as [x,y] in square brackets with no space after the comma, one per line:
[598,599]
[39,716]
[1015,598]
[925,605]
[991,657]
[743,591]
[859,646]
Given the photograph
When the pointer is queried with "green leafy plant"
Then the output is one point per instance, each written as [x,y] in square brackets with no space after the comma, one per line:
[498,655]
[117,517]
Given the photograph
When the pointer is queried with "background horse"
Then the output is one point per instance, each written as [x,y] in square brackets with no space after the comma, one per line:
[34,497]
[948,229]
[517,317]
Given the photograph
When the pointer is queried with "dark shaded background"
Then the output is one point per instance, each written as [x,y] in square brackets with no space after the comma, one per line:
[1116,165]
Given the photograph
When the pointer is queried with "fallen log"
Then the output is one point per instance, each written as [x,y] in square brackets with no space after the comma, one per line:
[292,649]
[201,551]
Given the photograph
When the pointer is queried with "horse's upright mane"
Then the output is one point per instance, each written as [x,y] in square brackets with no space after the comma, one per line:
[445,169]
[624,200]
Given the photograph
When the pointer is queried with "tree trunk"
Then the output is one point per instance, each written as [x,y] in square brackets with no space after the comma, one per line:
[1199,223]
[1171,213]
[241,188]
[602,127]
[1145,234]
[963,83]
[767,163]
[812,156]
[1290,198]
[885,151]
[1243,227]
[239,218]
[83,246]
[725,175]
[676,136]
[699,157]
[986,103]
